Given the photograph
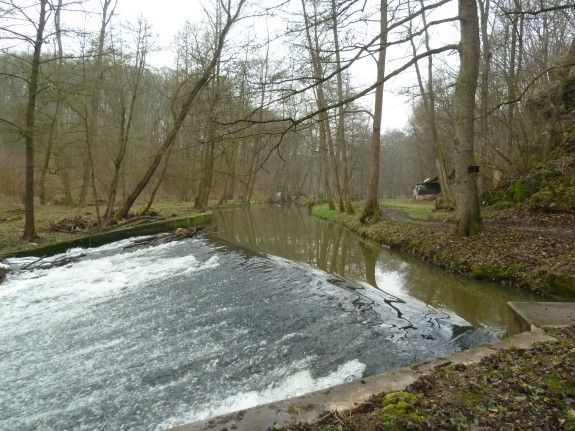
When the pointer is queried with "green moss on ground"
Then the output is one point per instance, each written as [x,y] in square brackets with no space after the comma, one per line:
[536,261]
[546,188]
[511,389]
[398,409]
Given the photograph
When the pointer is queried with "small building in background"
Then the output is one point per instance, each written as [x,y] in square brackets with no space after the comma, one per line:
[427,190]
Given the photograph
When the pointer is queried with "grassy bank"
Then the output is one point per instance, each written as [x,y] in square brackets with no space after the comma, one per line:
[56,224]
[513,389]
[539,261]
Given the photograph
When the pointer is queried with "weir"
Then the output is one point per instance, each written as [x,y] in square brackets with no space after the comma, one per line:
[174,333]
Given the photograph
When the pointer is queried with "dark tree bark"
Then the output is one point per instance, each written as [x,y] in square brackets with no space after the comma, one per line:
[29,225]
[371,211]
[341,142]
[468,216]
[54,124]
[324,133]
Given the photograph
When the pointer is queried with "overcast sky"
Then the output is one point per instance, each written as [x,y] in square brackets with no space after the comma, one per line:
[167,17]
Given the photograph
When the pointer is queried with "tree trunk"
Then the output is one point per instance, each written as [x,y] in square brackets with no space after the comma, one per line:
[85,181]
[62,165]
[484,86]
[314,50]
[157,186]
[54,124]
[182,114]
[127,117]
[371,211]
[428,96]
[340,136]
[204,189]
[92,110]
[468,215]
[29,224]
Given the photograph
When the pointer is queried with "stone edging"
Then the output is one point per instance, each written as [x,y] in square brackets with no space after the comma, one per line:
[309,408]
[114,235]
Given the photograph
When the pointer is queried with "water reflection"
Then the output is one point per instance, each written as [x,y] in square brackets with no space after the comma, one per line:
[291,233]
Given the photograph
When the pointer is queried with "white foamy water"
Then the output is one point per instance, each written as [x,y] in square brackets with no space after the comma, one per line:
[298,383]
[67,290]
[154,337]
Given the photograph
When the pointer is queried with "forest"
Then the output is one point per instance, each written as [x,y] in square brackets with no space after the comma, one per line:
[87,119]
[300,215]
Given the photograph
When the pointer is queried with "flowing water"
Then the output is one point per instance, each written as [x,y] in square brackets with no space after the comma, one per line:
[274,305]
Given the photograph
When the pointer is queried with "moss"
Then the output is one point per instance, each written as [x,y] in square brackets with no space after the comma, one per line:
[518,191]
[478,270]
[560,284]
[547,188]
[569,420]
[488,271]
[468,398]
[559,386]
[399,408]
[444,255]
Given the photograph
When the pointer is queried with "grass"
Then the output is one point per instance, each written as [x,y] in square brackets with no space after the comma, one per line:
[414,209]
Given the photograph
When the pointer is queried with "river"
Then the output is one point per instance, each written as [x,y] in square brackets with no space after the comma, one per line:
[273,305]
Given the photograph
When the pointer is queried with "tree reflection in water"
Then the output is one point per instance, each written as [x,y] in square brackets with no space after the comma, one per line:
[291,233]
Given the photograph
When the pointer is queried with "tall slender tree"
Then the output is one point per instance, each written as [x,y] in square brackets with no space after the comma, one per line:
[231,16]
[468,216]
[30,131]
[371,211]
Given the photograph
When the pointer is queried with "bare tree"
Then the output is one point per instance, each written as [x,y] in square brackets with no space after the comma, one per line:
[371,211]
[25,15]
[468,216]
[231,16]
[54,123]
[341,142]
[428,95]
[324,132]
[128,110]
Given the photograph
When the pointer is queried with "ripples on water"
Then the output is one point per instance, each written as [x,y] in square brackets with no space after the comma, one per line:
[155,337]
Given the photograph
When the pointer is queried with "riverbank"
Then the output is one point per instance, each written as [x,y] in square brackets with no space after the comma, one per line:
[67,225]
[531,388]
[540,261]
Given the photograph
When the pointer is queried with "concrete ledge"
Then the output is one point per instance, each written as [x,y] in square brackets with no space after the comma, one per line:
[310,407]
[115,235]
[543,315]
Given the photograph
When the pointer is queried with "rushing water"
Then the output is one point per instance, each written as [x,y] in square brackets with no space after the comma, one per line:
[147,338]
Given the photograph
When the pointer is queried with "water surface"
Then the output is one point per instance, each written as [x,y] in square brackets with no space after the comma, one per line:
[147,338]
[292,233]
